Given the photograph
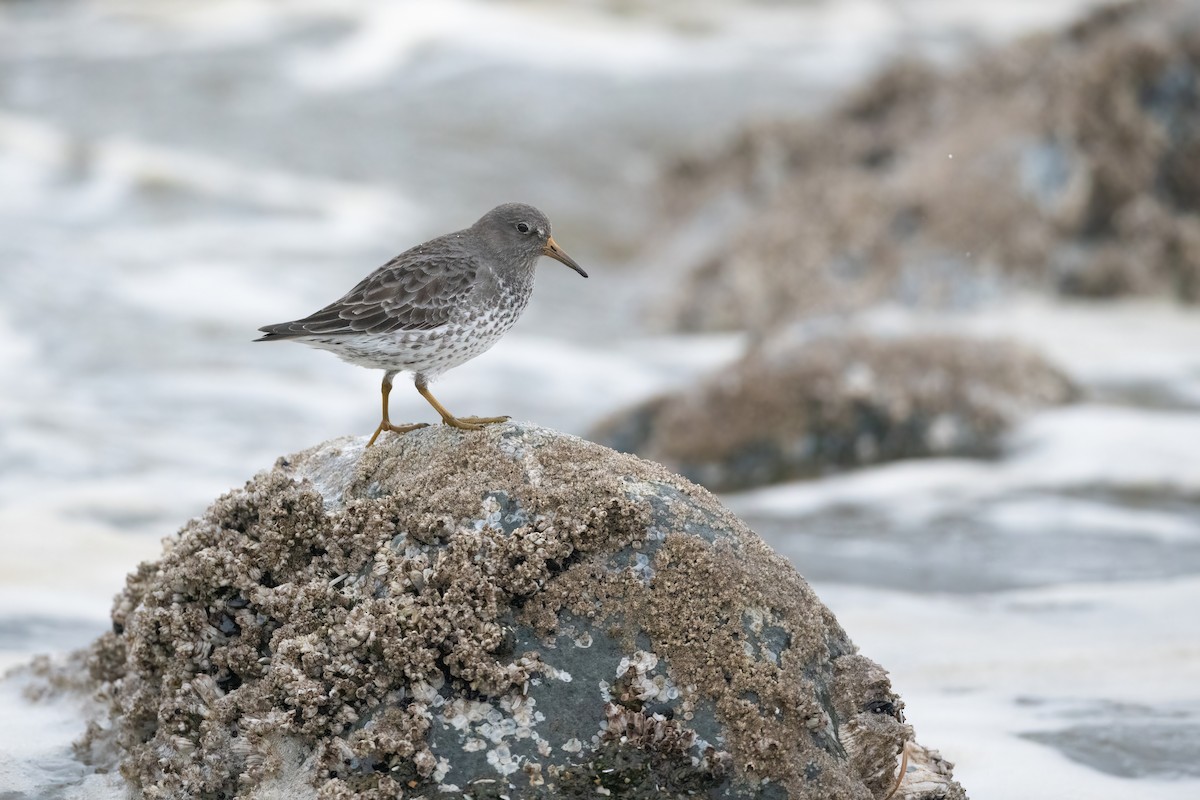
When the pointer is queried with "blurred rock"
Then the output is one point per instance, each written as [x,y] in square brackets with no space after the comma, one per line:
[800,409]
[1067,163]
[512,613]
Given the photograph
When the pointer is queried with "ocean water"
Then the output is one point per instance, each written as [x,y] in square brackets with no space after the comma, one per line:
[173,175]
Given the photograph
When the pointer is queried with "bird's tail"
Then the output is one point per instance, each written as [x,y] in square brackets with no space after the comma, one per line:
[280,330]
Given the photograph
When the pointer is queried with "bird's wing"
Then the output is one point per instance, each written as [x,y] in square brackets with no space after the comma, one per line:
[415,291]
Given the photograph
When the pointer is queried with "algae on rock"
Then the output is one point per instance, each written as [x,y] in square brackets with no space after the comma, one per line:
[510,612]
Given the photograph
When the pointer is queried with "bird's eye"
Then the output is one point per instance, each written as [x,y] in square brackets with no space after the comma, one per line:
[523,227]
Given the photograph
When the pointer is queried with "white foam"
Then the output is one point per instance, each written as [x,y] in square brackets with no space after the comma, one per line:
[1066,515]
[968,667]
[389,36]
[124,162]
[828,39]
[16,351]
[1112,342]
[1107,447]
[1075,447]
[36,759]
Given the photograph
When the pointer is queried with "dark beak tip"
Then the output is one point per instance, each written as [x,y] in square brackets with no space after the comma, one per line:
[552,250]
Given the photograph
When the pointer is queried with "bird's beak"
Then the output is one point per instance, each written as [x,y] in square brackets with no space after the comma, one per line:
[558,254]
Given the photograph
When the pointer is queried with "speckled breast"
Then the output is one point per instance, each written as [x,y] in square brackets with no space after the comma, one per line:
[474,330]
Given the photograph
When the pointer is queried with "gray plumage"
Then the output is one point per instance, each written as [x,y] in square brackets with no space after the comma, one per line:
[438,304]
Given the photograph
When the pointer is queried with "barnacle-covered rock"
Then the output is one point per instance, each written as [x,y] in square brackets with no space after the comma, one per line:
[798,409]
[513,612]
[1066,162]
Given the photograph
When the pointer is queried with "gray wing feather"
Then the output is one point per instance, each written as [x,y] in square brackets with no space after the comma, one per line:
[415,291]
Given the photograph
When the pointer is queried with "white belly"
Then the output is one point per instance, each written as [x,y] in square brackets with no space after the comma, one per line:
[426,352]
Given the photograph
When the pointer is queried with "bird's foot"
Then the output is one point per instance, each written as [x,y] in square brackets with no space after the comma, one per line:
[473,423]
[485,420]
[387,426]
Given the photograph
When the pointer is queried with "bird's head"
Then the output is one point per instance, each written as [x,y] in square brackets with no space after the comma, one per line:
[521,233]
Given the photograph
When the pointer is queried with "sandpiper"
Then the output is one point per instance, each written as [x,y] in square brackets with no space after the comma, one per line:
[435,306]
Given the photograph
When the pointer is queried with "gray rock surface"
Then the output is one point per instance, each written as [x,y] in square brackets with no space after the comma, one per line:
[513,612]
[799,409]
[1067,163]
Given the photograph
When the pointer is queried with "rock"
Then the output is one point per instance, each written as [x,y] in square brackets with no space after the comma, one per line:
[1066,163]
[801,409]
[514,612]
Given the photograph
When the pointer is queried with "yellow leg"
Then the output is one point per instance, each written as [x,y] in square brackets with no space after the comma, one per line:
[462,423]
[903,771]
[386,424]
